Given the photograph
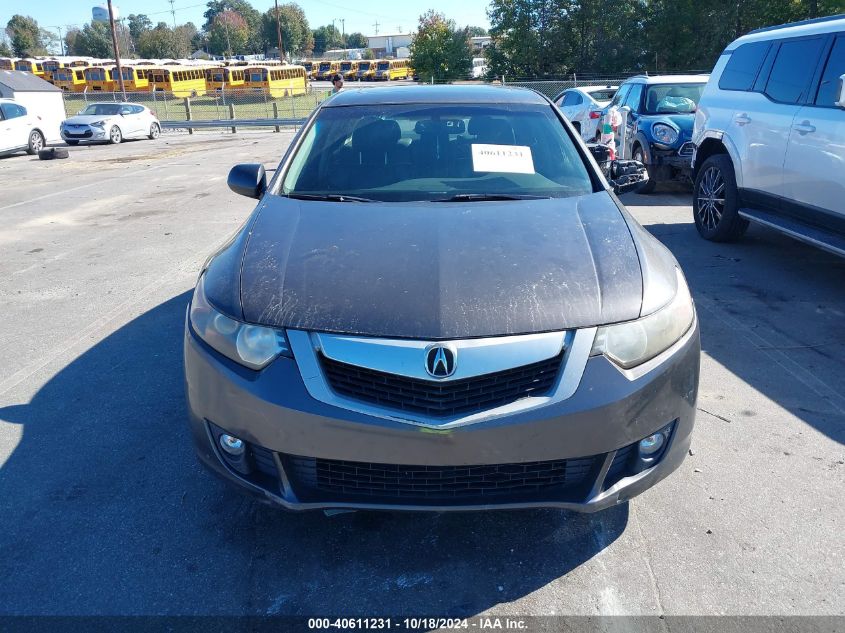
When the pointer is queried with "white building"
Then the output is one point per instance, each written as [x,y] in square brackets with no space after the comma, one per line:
[39,97]
[387,45]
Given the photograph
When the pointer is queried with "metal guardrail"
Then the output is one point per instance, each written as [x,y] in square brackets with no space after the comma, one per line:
[232,123]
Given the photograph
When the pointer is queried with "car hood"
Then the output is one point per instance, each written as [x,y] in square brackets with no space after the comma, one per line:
[87,119]
[437,270]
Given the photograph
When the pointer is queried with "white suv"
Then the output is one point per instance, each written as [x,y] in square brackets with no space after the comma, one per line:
[19,130]
[769,136]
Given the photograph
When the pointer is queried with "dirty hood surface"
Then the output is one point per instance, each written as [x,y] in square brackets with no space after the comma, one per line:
[440,270]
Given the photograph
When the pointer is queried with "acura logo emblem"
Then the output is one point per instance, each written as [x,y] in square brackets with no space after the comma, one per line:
[440,360]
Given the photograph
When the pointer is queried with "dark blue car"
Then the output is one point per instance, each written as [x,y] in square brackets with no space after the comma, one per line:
[661,111]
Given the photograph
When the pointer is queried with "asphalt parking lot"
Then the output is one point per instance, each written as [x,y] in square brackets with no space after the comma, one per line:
[104,509]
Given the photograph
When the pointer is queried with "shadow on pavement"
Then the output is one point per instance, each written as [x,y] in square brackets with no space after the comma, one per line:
[771,311]
[105,510]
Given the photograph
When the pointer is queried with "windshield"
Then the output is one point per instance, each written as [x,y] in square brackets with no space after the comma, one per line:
[670,98]
[102,109]
[364,66]
[383,65]
[325,65]
[346,66]
[404,153]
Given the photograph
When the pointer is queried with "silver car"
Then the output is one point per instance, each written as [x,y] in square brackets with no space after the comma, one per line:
[111,123]
[439,304]
[584,108]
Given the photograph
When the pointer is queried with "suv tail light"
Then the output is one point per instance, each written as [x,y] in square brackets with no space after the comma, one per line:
[595,114]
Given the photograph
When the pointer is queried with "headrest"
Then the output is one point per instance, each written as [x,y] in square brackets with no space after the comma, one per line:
[378,134]
[487,129]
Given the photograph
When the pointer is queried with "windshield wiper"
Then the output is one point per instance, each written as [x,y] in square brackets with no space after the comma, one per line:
[481,197]
[329,197]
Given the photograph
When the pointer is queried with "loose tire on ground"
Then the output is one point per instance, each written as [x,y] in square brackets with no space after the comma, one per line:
[36,142]
[715,201]
[650,185]
[53,152]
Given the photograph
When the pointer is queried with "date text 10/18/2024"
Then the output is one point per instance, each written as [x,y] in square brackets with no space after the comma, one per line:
[421,623]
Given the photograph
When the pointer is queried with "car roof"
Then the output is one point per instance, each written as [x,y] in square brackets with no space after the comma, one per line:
[817,26]
[425,94]
[669,79]
[116,103]
[589,89]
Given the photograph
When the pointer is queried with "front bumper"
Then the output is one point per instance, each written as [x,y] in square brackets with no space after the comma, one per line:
[86,133]
[667,164]
[594,433]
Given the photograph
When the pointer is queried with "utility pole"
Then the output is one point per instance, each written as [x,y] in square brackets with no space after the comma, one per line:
[61,39]
[376,25]
[278,32]
[173,13]
[116,52]
[343,26]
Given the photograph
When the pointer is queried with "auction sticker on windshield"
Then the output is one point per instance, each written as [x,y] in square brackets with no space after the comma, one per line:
[512,159]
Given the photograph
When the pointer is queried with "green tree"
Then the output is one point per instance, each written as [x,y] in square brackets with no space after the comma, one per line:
[476,31]
[157,43]
[5,49]
[94,40]
[26,36]
[229,34]
[368,54]
[248,13]
[296,34]
[327,38]
[138,24]
[439,50]
[356,40]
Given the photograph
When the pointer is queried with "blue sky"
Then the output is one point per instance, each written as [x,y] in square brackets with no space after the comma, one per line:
[360,15]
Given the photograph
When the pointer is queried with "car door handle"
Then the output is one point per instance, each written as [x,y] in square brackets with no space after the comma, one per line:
[742,119]
[805,127]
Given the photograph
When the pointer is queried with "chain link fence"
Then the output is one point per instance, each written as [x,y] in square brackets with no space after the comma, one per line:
[553,87]
[213,106]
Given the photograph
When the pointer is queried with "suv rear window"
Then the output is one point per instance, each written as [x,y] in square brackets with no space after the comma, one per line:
[793,69]
[743,66]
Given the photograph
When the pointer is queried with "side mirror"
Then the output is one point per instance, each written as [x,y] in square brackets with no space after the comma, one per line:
[841,92]
[627,175]
[248,179]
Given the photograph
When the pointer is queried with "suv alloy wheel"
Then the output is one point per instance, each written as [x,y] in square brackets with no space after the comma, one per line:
[715,201]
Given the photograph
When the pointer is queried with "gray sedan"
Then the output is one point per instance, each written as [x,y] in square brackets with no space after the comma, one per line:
[438,304]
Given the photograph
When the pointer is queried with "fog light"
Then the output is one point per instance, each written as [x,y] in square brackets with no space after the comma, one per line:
[652,444]
[232,445]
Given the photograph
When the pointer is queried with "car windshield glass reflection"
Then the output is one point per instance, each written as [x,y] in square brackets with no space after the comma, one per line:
[672,98]
[405,153]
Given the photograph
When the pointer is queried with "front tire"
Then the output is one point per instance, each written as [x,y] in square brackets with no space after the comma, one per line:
[36,143]
[648,187]
[155,131]
[715,201]
[115,135]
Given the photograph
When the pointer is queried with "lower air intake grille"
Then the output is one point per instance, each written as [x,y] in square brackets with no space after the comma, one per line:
[446,398]
[399,481]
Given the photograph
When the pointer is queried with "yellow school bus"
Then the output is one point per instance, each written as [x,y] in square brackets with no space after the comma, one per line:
[34,66]
[50,67]
[182,81]
[349,69]
[277,81]
[327,69]
[135,78]
[7,63]
[224,78]
[388,69]
[100,78]
[366,70]
[70,79]
[310,68]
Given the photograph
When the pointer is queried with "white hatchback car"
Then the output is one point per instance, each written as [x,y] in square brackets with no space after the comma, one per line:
[769,136]
[111,123]
[583,107]
[19,130]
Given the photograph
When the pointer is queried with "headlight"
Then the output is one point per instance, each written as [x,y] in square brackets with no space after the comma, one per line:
[633,343]
[253,346]
[663,133]
[99,124]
